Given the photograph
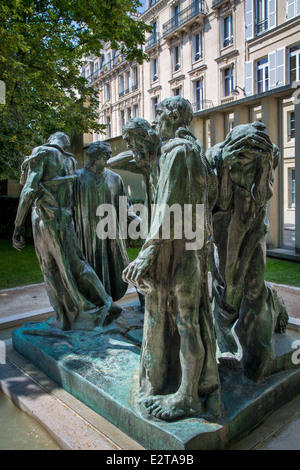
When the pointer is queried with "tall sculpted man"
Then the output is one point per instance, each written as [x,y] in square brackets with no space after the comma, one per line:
[144,152]
[75,292]
[178,360]
[104,247]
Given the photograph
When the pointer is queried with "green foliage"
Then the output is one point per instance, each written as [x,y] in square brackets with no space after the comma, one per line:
[42,49]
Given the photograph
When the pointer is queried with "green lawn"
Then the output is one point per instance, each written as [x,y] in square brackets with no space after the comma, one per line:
[19,268]
[283,272]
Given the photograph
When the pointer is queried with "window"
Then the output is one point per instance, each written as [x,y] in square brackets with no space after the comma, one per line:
[154,70]
[227,31]
[121,85]
[176,15]
[136,110]
[177,91]
[154,105]
[198,95]
[292,192]
[107,91]
[135,78]
[197,47]
[261,16]
[294,63]
[176,58]
[122,119]
[291,125]
[102,58]
[229,122]
[227,81]
[108,127]
[262,74]
[292,8]
[154,32]
[108,62]
[128,113]
[127,82]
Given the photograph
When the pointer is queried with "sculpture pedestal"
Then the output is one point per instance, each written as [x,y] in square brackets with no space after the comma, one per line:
[102,370]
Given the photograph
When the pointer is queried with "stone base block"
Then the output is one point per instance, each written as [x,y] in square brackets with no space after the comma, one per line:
[101,370]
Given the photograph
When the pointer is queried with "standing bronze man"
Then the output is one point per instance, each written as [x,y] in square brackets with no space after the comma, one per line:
[75,292]
[178,358]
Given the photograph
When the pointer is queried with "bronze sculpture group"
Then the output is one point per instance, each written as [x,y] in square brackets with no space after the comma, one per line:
[186,334]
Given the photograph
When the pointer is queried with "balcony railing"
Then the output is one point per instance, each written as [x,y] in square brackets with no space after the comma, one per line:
[202,104]
[181,18]
[261,27]
[128,90]
[151,41]
[106,67]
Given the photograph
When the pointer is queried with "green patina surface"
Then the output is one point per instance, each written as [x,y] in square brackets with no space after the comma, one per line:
[101,369]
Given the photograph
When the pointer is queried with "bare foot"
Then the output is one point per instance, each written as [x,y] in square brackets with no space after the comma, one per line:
[169,407]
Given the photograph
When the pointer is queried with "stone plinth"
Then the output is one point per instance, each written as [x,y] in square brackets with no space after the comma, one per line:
[101,370]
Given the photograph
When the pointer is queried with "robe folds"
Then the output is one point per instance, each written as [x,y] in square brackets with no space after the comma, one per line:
[75,292]
[178,276]
[107,256]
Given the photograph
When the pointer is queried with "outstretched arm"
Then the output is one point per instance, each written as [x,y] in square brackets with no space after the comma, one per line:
[27,198]
[123,161]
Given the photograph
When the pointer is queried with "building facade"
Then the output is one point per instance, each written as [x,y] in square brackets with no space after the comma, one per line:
[236,62]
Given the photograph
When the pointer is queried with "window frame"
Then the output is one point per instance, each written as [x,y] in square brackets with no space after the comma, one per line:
[154,69]
[197,46]
[291,128]
[176,57]
[227,40]
[292,192]
[198,88]
[263,66]
[294,53]
[227,79]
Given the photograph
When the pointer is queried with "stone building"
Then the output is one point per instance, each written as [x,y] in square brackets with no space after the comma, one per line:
[236,62]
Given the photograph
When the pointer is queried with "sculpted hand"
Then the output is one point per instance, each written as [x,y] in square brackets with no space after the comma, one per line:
[19,238]
[135,273]
[247,146]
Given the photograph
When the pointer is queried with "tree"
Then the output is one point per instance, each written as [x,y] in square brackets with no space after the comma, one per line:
[43,45]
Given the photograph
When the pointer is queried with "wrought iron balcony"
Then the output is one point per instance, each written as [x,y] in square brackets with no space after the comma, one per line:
[128,90]
[261,27]
[152,41]
[106,67]
[183,17]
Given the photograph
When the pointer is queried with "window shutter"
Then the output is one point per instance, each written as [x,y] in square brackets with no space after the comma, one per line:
[272,70]
[272,17]
[280,67]
[277,68]
[249,78]
[249,19]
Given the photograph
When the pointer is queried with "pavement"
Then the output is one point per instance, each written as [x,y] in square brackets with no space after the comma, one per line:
[72,424]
